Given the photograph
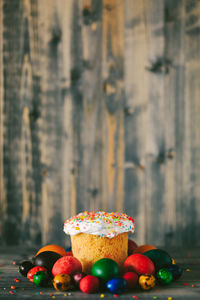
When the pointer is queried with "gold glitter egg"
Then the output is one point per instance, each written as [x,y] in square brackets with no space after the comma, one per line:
[173,261]
[147,282]
[62,282]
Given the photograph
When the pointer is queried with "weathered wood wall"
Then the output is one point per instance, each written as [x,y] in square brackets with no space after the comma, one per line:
[100,110]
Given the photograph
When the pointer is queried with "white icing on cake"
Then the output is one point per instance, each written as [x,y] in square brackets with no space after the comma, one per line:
[99,223]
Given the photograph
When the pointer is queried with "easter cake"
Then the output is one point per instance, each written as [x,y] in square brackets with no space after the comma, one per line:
[96,235]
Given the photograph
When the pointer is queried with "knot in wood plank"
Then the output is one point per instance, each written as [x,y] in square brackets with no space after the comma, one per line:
[90,15]
[160,66]
[56,35]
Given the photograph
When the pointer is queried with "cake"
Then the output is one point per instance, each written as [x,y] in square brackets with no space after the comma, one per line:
[96,235]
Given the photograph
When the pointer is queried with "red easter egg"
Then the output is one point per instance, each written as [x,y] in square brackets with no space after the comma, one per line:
[69,253]
[131,247]
[89,284]
[140,264]
[34,270]
[131,279]
[66,265]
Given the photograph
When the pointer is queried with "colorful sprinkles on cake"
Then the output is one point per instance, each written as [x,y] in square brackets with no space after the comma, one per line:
[106,224]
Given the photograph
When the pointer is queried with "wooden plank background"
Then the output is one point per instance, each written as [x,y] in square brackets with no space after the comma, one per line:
[100,110]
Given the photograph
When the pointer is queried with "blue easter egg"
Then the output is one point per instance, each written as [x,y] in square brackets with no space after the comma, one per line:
[116,285]
[175,270]
[68,249]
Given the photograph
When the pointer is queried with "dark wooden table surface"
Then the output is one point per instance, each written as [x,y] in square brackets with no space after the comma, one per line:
[187,287]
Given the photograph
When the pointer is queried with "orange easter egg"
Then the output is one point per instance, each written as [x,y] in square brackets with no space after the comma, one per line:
[144,248]
[54,248]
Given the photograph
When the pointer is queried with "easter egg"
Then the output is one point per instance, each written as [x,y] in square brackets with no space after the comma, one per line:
[147,282]
[131,246]
[131,279]
[34,270]
[62,282]
[25,266]
[89,284]
[144,248]
[66,265]
[105,269]
[69,253]
[173,261]
[53,248]
[41,278]
[77,276]
[139,263]
[164,276]
[69,249]
[46,259]
[175,270]
[159,257]
[116,285]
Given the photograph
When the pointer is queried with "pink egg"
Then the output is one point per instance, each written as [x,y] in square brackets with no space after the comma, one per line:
[140,264]
[66,265]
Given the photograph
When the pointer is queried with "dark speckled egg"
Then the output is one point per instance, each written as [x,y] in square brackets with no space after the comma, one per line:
[46,259]
[159,257]
[175,270]
[25,266]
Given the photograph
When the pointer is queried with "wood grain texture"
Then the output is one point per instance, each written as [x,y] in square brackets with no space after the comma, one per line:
[2,196]
[51,121]
[135,114]
[91,170]
[12,18]
[113,103]
[155,149]
[192,103]
[99,110]
[174,98]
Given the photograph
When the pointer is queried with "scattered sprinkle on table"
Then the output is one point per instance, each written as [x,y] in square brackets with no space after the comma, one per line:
[135,297]
[169,298]
[186,284]
[102,296]
[16,280]
[187,270]
[12,287]
[11,292]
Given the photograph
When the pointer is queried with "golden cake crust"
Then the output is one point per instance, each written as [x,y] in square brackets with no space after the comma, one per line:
[89,248]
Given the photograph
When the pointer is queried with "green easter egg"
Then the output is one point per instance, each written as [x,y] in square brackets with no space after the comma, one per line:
[159,257]
[164,276]
[41,278]
[105,269]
